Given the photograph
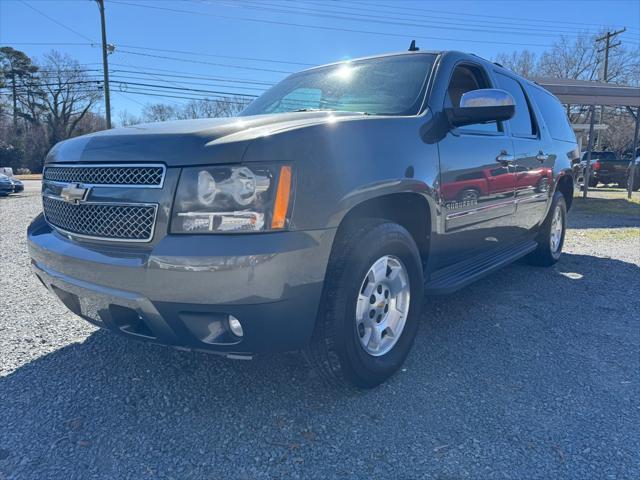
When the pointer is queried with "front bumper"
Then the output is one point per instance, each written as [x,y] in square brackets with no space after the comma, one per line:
[180,291]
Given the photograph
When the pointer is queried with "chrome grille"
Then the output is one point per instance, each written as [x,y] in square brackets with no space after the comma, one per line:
[117,175]
[110,221]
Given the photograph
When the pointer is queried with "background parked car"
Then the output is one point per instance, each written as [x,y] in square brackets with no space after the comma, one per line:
[6,185]
[606,167]
[18,186]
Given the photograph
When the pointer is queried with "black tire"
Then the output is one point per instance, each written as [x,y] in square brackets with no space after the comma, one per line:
[335,350]
[543,185]
[593,182]
[622,184]
[544,255]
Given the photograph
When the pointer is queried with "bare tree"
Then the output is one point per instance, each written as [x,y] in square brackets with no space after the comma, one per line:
[126,119]
[577,59]
[159,112]
[218,107]
[68,95]
[523,63]
[201,108]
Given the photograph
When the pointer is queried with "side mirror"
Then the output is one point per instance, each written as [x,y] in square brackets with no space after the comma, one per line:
[482,106]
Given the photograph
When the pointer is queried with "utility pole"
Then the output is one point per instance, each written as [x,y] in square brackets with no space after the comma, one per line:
[587,168]
[14,94]
[606,38]
[105,63]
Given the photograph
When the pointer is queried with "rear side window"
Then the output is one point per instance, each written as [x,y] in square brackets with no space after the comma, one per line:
[522,124]
[554,115]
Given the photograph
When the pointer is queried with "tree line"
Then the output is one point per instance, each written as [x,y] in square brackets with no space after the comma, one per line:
[44,102]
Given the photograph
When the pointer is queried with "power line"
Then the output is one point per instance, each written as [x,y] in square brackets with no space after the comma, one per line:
[177,59]
[233,57]
[474,15]
[198,77]
[321,27]
[388,20]
[173,74]
[66,27]
[134,84]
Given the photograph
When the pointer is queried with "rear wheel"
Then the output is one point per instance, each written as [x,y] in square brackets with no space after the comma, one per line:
[469,195]
[370,307]
[593,182]
[551,236]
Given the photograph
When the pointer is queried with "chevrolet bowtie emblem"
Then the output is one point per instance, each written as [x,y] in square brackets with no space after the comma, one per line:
[74,193]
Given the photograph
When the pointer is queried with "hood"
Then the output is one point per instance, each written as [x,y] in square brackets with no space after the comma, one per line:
[185,142]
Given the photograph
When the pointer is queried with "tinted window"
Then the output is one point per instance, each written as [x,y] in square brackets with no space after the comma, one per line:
[466,78]
[385,86]
[521,124]
[602,156]
[553,114]
[469,176]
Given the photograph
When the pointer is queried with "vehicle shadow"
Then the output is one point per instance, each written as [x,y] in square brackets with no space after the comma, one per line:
[488,361]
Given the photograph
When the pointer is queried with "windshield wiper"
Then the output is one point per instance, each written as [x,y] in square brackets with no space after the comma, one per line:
[328,110]
[311,110]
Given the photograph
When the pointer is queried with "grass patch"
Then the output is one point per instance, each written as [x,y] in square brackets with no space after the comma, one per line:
[608,203]
[609,234]
[30,176]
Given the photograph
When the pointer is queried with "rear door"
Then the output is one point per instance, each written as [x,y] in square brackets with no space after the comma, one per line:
[534,158]
[476,190]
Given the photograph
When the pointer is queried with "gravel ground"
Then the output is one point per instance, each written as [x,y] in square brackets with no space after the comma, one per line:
[530,373]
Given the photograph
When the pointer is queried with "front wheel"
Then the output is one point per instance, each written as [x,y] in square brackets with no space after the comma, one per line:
[370,307]
[551,236]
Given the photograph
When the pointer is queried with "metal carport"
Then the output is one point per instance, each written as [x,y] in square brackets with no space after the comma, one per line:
[582,92]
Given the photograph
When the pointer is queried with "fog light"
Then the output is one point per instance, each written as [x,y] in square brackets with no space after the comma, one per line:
[235,326]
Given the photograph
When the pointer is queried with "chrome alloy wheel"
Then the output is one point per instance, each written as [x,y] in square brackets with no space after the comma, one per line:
[383,305]
[556,230]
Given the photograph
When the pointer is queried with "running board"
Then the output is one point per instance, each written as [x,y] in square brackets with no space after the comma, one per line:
[452,278]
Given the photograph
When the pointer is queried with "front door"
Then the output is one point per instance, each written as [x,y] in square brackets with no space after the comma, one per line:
[477,183]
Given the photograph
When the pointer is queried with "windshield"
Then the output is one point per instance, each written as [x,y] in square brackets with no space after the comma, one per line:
[383,86]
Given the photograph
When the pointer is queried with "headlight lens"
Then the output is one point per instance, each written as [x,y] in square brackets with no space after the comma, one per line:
[232,199]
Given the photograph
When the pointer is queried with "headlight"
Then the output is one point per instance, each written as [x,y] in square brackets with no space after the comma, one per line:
[232,199]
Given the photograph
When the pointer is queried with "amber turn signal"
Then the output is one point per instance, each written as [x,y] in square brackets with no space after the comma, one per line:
[283,193]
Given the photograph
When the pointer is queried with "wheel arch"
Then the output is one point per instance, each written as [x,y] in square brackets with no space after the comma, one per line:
[565,186]
[411,210]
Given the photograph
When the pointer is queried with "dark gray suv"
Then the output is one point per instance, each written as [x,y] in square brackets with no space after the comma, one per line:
[315,220]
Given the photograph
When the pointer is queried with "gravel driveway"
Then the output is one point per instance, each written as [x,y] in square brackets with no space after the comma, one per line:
[530,373]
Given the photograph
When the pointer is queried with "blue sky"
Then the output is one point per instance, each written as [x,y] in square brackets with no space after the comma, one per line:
[242,46]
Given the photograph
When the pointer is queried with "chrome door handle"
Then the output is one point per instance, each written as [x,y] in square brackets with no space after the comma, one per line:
[504,158]
[542,157]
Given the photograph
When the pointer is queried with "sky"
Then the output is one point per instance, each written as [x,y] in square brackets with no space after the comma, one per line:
[166,49]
